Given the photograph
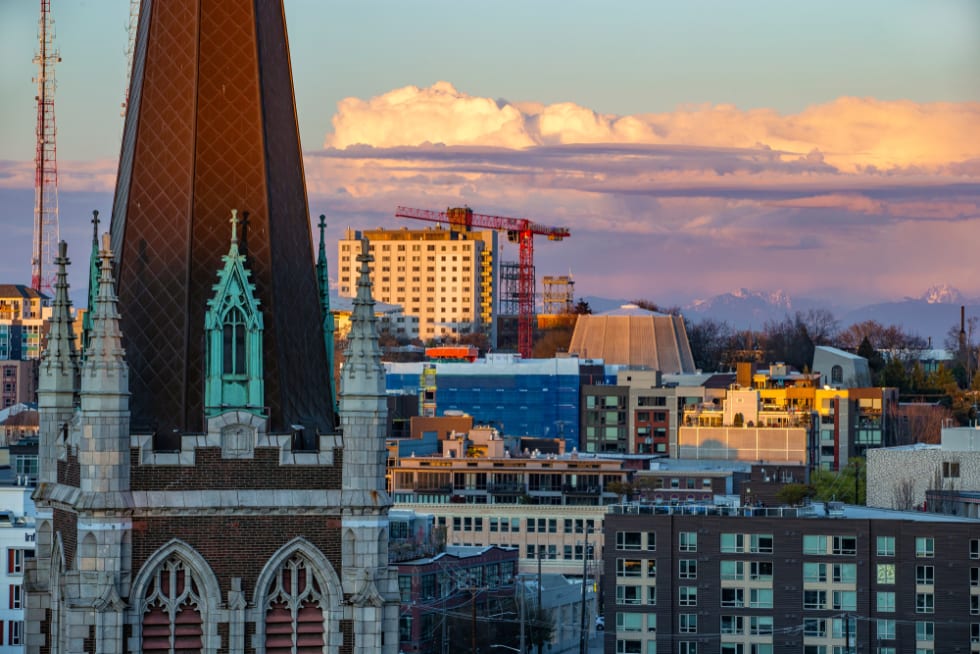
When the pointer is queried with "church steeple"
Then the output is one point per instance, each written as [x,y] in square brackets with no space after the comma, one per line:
[363,373]
[323,282]
[233,325]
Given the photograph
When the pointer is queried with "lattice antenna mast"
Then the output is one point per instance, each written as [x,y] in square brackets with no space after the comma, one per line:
[134,18]
[46,228]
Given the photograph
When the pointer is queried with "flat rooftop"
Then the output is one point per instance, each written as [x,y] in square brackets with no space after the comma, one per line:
[825,510]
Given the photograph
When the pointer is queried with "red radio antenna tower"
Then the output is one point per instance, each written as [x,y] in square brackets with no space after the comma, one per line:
[45,159]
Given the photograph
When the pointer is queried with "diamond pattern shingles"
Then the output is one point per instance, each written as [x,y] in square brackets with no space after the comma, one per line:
[217,131]
[153,256]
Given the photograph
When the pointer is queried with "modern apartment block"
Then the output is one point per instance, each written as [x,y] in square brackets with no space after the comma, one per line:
[22,314]
[821,579]
[443,276]
[18,382]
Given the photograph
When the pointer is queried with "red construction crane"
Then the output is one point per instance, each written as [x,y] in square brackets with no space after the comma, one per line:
[519,230]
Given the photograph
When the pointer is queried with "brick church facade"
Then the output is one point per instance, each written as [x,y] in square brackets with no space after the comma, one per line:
[200,487]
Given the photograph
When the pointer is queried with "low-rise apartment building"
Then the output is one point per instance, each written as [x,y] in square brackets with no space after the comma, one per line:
[813,580]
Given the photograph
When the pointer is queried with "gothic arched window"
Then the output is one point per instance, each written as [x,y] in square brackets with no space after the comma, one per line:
[836,375]
[172,617]
[233,340]
[294,612]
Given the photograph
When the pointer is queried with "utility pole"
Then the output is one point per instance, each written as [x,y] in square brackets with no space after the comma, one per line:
[473,620]
[520,581]
[585,578]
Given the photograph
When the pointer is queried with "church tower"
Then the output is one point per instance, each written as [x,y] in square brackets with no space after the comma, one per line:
[195,492]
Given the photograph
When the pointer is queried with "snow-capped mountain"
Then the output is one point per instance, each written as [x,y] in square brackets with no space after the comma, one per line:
[942,294]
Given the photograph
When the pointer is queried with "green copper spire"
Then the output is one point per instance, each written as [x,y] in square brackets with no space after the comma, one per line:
[233,325]
[93,285]
[323,281]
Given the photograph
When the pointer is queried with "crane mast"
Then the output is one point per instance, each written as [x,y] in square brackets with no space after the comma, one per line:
[519,230]
[46,226]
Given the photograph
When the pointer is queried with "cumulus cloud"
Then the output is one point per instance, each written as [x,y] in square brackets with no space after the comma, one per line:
[849,133]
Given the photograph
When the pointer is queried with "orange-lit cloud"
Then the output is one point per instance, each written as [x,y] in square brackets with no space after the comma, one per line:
[850,134]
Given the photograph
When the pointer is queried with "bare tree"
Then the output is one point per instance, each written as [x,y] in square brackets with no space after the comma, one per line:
[904,499]
[918,422]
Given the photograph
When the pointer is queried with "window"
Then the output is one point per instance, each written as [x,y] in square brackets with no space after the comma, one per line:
[233,341]
[688,623]
[626,622]
[733,597]
[629,647]
[925,548]
[405,587]
[885,602]
[732,648]
[732,543]
[951,470]
[925,631]
[628,540]
[688,569]
[629,568]
[16,597]
[974,633]
[844,546]
[975,576]
[15,560]
[687,647]
[925,575]
[760,598]
[688,541]
[760,570]
[845,573]
[836,374]
[652,595]
[925,603]
[15,629]
[975,548]
[760,544]
[886,546]
[815,572]
[886,630]
[814,599]
[732,624]
[760,625]
[886,573]
[732,571]
[651,541]
[844,600]
[974,604]
[814,544]
[687,596]
[173,604]
[629,595]
[815,627]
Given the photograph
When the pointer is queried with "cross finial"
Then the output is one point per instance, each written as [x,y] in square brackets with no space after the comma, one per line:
[95,227]
[323,225]
[234,225]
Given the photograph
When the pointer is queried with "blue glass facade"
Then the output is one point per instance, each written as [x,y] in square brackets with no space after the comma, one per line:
[524,398]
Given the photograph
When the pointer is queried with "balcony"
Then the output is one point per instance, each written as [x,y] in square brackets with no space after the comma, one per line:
[507,488]
[429,488]
[574,489]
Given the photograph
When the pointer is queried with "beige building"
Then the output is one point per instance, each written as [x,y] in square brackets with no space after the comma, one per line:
[23,312]
[443,276]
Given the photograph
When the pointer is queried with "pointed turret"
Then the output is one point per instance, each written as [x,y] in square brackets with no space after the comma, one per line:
[363,374]
[364,418]
[323,281]
[58,375]
[105,375]
[93,284]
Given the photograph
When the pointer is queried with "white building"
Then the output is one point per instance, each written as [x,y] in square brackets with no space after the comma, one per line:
[445,277]
[17,544]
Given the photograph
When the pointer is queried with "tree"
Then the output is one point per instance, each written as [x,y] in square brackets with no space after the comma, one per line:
[918,422]
[650,305]
[582,307]
[713,344]
[841,485]
[904,499]
[794,494]
[891,338]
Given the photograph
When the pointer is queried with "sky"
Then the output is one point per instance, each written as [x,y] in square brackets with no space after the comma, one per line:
[830,150]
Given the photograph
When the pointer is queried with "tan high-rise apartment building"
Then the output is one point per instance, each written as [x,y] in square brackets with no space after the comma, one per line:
[443,276]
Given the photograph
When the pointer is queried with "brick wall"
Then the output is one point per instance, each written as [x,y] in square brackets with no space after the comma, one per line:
[211,472]
[68,471]
[66,523]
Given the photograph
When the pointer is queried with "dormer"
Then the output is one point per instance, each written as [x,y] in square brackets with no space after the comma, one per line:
[233,332]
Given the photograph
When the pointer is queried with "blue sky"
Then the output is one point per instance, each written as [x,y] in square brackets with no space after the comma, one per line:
[670,59]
